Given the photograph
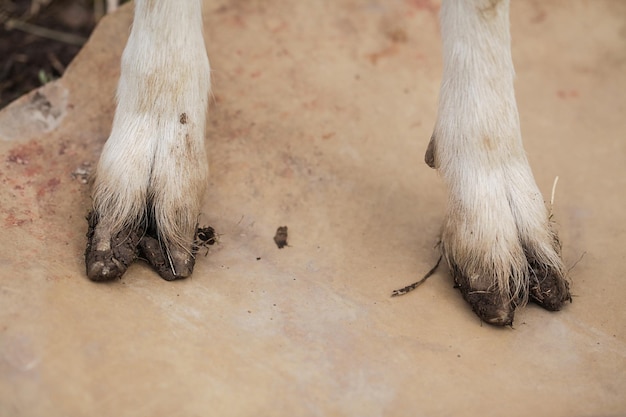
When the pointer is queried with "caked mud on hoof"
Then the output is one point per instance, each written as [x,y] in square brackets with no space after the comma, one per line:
[548,288]
[169,264]
[544,285]
[108,257]
[489,305]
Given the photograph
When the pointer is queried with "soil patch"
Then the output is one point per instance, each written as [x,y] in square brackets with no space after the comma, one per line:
[38,40]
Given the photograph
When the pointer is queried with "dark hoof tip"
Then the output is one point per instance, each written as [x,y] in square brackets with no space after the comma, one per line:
[548,289]
[551,298]
[170,267]
[107,258]
[104,269]
[490,307]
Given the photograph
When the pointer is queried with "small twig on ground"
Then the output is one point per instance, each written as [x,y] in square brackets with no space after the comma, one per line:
[413,286]
[556,181]
[42,32]
[56,64]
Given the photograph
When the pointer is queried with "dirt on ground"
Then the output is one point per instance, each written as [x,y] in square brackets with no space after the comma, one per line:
[281,237]
[38,40]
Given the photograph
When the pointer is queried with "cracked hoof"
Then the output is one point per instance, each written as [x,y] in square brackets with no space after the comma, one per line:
[107,257]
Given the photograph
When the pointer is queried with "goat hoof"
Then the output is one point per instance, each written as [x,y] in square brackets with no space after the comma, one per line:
[108,257]
[171,264]
[547,288]
[490,306]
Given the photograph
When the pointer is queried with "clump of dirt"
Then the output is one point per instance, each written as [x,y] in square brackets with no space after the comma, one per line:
[281,237]
[205,236]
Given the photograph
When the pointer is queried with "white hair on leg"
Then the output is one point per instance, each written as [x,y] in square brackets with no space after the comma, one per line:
[153,169]
[496,237]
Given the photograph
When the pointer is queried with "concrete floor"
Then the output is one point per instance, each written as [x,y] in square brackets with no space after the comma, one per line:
[320,119]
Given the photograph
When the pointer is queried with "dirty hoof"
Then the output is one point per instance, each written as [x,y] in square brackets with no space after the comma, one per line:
[107,257]
[488,305]
[170,264]
[548,288]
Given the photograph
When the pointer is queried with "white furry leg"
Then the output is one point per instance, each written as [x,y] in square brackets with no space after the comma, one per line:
[496,238]
[152,172]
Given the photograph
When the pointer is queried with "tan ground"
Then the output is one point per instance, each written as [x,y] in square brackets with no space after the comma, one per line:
[320,118]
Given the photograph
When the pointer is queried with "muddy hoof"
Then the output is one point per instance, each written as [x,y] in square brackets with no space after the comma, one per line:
[490,307]
[107,257]
[172,265]
[548,289]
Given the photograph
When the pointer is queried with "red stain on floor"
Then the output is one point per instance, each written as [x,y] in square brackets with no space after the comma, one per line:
[11,220]
[384,53]
[567,94]
[22,154]
[48,187]
[427,5]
